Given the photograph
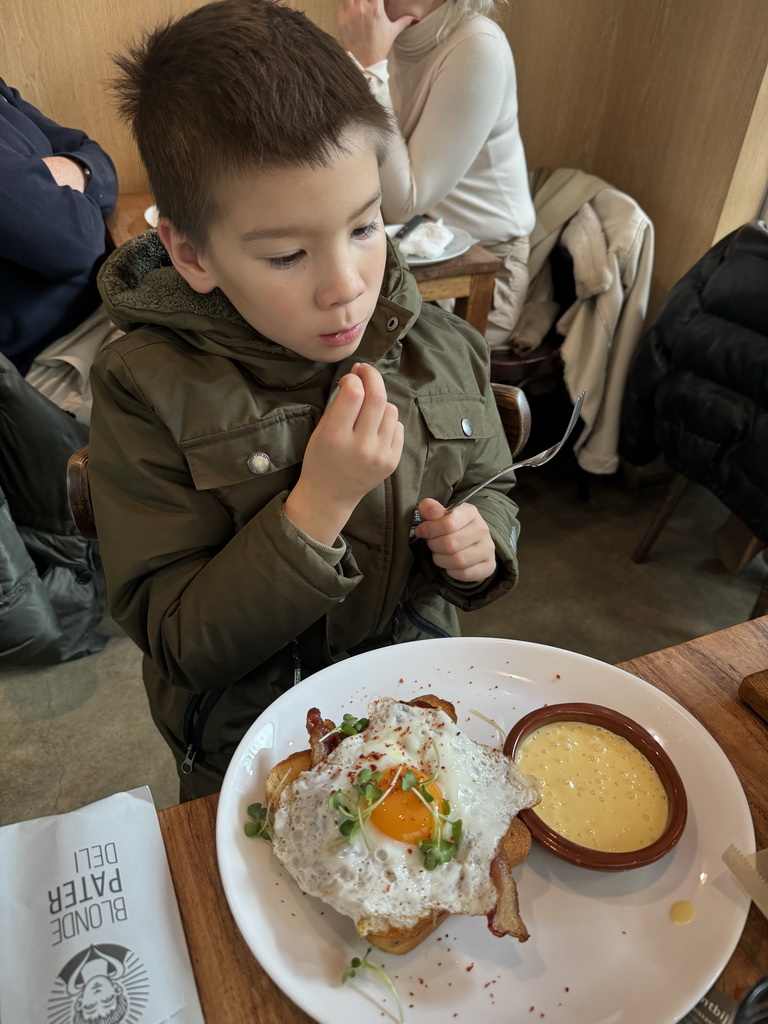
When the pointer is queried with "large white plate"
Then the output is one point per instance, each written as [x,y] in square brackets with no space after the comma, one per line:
[603,949]
[459,244]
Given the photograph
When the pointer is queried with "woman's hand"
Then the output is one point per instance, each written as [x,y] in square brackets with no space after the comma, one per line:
[366,32]
[460,541]
[356,445]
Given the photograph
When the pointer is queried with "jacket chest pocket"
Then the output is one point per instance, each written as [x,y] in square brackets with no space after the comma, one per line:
[246,467]
[453,425]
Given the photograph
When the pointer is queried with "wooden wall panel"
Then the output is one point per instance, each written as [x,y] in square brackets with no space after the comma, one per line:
[57,54]
[656,97]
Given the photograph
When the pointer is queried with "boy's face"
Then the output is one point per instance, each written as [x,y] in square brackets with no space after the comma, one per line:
[300,252]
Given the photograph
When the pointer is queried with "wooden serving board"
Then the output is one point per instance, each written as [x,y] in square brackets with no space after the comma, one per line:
[753,690]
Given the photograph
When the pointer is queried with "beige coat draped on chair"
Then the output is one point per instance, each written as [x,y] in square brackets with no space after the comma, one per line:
[611,241]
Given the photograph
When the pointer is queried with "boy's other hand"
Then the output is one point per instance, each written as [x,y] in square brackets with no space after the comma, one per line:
[460,541]
[366,32]
[356,445]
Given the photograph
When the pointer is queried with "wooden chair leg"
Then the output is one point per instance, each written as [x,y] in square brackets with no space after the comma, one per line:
[761,604]
[735,544]
[671,499]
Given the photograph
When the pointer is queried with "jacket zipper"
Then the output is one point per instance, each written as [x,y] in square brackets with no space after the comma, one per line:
[421,623]
[296,662]
[196,716]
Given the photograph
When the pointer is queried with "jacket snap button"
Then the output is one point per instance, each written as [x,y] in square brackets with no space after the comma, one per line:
[392,324]
[467,427]
[258,462]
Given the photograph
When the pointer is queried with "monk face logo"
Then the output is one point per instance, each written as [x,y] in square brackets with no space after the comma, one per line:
[104,984]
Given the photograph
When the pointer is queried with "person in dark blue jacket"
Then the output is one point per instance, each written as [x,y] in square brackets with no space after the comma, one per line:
[56,187]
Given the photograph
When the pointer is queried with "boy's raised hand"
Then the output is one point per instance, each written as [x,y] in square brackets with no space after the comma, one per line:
[356,445]
[460,541]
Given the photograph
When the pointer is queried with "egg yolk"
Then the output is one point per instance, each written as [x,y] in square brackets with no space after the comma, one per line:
[403,814]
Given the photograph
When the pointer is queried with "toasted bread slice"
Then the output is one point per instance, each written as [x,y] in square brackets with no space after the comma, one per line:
[429,700]
[284,773]
[403,940]
[516,843]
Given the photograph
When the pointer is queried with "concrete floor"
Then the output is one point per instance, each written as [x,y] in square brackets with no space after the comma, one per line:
[77,732]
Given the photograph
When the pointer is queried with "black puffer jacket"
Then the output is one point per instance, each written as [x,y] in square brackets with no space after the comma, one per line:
[52,595]
[697,391]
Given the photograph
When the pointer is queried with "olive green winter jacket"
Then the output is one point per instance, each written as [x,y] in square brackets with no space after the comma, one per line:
[198,430]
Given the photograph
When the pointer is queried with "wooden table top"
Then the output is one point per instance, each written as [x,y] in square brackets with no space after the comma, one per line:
[703,675]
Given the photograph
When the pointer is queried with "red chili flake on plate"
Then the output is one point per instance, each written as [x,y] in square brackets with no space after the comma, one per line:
[470,967]
[557,676]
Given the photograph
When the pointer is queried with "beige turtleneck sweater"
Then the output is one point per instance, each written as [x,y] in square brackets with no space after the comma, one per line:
[458,152]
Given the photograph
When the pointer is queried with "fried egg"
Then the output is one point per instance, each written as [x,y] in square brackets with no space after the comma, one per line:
[376,874]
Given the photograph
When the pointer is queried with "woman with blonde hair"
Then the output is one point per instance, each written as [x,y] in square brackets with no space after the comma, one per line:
[445,71]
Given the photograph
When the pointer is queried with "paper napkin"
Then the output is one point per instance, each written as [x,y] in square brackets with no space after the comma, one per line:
[89,924]
[428,241]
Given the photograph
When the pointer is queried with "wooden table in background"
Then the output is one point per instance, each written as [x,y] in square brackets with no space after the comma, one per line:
[467,278]
[703,675]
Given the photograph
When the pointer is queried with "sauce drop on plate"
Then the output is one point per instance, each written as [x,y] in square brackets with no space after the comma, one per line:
[682,912]
[598,790]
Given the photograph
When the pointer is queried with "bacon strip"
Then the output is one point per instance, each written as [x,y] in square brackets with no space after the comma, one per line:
[505,918]
[321,744]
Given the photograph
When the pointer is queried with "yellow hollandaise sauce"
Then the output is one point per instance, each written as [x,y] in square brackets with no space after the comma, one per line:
[597,789]
[682,912]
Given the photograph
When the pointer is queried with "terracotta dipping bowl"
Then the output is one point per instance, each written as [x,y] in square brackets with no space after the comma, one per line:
[615,722]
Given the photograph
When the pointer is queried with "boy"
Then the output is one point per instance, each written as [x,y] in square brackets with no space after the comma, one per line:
[282,401]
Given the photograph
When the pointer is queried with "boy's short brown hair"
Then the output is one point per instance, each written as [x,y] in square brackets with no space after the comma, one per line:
[234,86]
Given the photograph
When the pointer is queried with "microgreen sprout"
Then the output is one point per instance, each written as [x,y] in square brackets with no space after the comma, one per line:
[350,726]
[260,826]
[356,808]
[360,963]
[490,721]
[437,849]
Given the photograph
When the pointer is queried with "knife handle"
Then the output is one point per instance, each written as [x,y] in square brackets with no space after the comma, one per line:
[406,229]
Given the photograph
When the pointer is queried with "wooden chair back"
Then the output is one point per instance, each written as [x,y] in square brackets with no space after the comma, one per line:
[79,493]
[512,404]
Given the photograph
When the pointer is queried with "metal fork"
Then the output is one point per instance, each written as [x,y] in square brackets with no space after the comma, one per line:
[533,462]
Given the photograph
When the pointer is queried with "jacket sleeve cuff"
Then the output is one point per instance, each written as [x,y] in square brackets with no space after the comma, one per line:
[331,554]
